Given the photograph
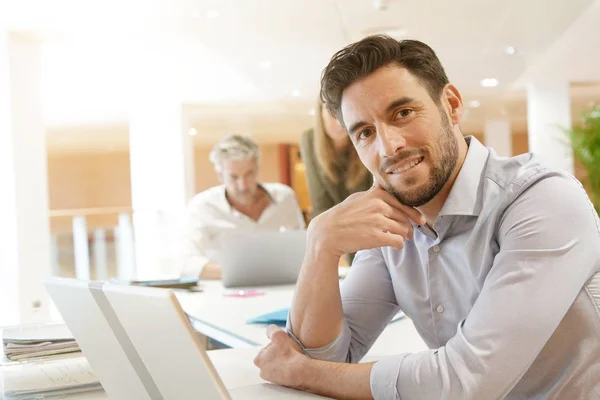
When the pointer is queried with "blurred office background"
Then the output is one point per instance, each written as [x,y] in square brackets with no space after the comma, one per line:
[108,109]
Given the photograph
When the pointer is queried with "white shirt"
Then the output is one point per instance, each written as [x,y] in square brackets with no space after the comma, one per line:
[210,216]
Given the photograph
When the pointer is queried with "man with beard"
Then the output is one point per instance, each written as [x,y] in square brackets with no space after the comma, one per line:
[495,260]
[241,204]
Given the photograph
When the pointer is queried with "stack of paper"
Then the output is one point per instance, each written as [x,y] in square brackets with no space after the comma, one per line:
[27,342]
[48,379]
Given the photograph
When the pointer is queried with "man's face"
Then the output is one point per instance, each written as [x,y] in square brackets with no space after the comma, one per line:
[401,135]
[240,179]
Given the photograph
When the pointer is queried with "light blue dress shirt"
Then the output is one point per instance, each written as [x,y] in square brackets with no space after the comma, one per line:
[505,291]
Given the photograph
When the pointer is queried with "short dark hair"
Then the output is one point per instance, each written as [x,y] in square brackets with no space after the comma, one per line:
[364,57]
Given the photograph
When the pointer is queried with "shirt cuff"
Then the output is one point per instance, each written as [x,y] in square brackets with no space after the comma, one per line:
[193,266]
[384,377]
[337,350]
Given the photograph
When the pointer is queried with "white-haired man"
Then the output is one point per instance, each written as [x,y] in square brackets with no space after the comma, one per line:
[241,203]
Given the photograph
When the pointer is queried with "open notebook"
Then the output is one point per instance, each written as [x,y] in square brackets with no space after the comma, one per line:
[46,379]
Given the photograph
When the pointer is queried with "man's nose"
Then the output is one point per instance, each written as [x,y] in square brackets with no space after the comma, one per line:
[242,184]
[390,140]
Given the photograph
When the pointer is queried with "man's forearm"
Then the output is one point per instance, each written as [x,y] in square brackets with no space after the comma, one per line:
[316,315]
[336,380]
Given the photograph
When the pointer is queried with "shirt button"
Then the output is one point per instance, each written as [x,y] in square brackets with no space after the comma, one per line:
[436,249]
[439,309]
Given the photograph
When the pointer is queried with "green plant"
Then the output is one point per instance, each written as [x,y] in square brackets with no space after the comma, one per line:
[585,139]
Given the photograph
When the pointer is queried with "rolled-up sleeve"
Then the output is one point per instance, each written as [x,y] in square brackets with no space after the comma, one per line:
[368,302]
[549,246]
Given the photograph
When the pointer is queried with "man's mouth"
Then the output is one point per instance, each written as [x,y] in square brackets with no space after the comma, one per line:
[406,165]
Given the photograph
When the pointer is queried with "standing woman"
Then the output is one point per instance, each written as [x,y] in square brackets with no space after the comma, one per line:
[333,169]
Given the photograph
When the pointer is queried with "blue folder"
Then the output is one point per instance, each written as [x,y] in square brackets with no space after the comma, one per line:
[279,317]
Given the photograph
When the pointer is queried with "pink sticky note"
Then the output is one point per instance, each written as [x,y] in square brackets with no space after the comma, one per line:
[244,293]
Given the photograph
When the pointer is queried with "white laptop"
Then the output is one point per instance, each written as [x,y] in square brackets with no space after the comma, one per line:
[140,344]
[262,258]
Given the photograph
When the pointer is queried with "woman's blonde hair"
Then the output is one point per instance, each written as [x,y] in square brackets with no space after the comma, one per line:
[326,155]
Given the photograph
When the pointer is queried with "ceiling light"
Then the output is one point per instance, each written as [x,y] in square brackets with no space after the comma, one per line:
[196,14]
[266,64]
[510,50]
[489,82]
[296,93]
[212,14]
[380,5]
[473,104]
[193,132]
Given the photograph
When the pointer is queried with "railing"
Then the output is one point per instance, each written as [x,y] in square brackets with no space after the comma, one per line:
[92,243]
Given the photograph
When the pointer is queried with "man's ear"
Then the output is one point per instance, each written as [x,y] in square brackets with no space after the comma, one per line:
[453,103]
[220,176]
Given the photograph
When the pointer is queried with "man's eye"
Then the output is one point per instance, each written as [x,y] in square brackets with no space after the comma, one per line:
[404,113]
[364,134]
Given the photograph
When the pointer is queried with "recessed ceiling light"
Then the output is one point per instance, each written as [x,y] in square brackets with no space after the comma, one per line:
[296,93]
[473,104]
[380,5]
[212,14]
[193,132]
[266,64]
[489,82]
[510,50]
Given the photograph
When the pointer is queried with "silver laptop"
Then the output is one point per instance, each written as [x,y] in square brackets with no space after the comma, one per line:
[140,344]
[262,258]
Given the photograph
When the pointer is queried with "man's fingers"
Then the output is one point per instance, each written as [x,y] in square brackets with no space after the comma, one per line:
[402,228]
[390,199]
[401,220]
[259,357]
[390,239]
[271,329]
[411,212]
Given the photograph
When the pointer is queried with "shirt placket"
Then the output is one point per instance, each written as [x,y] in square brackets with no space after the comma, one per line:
[435,256]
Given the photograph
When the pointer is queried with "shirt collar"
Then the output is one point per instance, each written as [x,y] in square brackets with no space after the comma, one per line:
[465,198]
[227,206]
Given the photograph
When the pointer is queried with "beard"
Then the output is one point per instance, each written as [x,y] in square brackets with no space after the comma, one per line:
[447,149]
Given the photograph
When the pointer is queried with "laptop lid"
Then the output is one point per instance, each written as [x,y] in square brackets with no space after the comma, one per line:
[262,258]
[137,340]
[96,338]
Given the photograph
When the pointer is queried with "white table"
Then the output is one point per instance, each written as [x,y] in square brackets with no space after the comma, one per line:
[237,371]
[224,318]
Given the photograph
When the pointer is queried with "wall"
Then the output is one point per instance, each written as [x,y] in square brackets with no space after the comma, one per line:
[95,180]
[89,180]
